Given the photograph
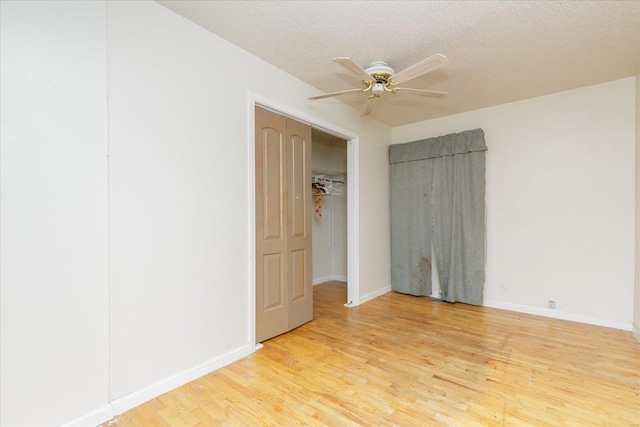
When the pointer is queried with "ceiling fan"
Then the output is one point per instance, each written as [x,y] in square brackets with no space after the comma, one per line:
[380,78]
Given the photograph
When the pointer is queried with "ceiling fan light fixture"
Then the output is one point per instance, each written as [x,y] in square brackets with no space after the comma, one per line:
[377,88]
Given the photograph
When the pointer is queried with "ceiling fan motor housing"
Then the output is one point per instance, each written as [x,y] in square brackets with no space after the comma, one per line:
[380,68]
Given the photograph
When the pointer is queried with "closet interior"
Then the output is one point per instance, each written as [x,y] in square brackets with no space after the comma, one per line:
[329,225]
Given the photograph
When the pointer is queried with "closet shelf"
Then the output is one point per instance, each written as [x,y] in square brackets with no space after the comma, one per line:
[327,172]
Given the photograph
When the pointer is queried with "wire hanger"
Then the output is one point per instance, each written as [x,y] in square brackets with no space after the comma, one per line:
[323,186]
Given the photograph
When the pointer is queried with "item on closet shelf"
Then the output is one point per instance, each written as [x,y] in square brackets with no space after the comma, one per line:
[319,207]
[323,186]
[319,188]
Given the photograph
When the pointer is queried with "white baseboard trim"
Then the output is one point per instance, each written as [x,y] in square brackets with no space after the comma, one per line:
[374,294]
[136,398]
[557,314]
[322,279]
[92,419]
[329,278]
[636,331]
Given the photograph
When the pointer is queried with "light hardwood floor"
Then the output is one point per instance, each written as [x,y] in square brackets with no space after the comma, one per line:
[408,361]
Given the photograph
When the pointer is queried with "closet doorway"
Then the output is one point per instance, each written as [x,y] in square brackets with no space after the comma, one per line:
[353,159]
[329,224]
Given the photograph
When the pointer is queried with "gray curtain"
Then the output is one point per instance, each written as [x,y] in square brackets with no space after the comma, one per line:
[438,198]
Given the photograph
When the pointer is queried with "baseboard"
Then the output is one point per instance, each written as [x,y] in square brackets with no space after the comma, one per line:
[139,397]
[329,278]
[557,314]
[322,279]
[636,331]
[92,419]
[374,294]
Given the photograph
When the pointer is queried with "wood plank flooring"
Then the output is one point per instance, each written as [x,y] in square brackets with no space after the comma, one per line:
[408,361]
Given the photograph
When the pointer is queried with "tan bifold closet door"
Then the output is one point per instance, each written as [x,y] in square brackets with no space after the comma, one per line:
[284,295]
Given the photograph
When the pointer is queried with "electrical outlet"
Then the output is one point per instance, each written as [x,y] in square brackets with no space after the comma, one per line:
[551,304]
[504,287]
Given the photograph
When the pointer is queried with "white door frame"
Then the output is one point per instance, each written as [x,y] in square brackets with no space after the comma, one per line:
[353,250]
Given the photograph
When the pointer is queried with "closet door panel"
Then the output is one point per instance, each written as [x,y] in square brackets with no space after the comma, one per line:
[298,187]
[273,273]
[298,273]
[299,213]
[273,156]
[272,311]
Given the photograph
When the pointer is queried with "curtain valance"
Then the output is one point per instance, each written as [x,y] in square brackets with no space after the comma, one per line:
[440,146]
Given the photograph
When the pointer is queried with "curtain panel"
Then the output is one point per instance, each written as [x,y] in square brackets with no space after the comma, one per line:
[438,201]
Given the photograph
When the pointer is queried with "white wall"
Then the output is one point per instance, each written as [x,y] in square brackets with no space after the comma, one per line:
[54,247]
[636,317]
[178,190]
[560,200]
[174,228]
[330,231]
[339,245]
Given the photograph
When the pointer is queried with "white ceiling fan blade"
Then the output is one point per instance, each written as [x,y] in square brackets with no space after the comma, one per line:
[422,92]
[353,67]
[342,92]
[416,70]
[370,105]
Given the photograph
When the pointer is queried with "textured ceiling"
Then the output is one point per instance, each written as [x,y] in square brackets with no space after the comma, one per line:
[499,51]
